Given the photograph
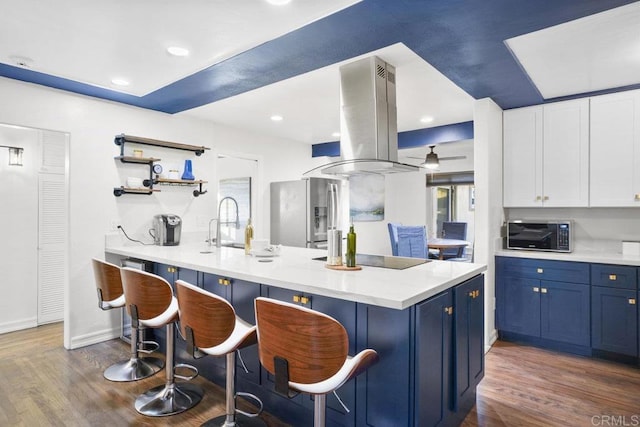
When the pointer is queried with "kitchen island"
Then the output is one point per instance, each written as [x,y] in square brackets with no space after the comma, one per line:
[426,323]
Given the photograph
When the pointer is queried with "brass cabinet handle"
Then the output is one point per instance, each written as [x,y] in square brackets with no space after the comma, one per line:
[172,269]
[448,310]
[545,198]
[539,271]
[636,197]
[474,294]
[613,277]
[632,301]
[536,289]
[538,198]
[224,281]
[301,299]
[543,290]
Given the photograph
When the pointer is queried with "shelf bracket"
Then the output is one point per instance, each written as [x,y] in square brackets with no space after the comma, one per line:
[199,191]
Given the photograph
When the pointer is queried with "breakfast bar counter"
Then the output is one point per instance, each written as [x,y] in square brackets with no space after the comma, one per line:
[295,269]
[426,322]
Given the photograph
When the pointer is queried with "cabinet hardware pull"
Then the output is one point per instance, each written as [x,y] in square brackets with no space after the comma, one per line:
[613,277]
[472,294]
[543,290]
[304,300]
[296,298]
[448,310]
[172,269]
[545,198]
[636,197]
[224,282]
[540,270]
[538,198]
[536,289]
[632,301]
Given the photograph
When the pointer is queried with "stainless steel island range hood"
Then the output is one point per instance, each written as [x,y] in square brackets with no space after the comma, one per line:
[368,121]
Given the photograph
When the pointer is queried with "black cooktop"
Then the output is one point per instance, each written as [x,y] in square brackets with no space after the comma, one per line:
[394,262]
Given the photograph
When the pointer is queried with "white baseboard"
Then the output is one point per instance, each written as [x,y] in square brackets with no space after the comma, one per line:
[17,325]
[492,338]
[94,338]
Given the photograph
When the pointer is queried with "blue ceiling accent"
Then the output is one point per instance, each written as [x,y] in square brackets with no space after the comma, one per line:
[463,39]
[409,139]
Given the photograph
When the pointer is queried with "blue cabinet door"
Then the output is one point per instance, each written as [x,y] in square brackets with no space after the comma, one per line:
[433,394]
[519,305]
[614,324]
[468,340]
[243,294]
[565,312]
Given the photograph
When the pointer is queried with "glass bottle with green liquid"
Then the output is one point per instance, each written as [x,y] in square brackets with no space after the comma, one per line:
[351,247]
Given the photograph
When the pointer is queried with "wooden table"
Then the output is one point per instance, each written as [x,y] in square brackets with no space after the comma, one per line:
[441,244]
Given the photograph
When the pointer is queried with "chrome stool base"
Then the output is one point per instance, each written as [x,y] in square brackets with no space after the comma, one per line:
[133,369]
[169,399]
[240,421]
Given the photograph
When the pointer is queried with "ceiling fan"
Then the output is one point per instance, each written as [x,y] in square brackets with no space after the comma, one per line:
[432,161]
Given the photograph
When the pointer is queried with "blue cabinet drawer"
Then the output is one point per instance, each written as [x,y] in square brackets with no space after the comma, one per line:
[558,271]
[614,276]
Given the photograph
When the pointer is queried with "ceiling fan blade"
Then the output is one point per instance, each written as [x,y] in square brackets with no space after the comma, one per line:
[452,158]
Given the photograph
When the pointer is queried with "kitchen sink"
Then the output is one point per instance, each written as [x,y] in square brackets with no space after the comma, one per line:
[233,245]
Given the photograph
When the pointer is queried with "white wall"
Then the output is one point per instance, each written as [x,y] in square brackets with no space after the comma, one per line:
[18,245]
[405,202]
[487,118]
[93,124]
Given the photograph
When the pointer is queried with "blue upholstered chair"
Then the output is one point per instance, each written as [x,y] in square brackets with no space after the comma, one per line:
[412,241]
[454,230]
[393,237]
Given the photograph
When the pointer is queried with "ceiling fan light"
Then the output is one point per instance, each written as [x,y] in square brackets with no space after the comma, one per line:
[431,161]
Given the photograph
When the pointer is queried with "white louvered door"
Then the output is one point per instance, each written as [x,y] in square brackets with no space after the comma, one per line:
[53,228]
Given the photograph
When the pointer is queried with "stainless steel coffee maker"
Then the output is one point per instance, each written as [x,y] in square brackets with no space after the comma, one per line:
[334,235]
[166,229]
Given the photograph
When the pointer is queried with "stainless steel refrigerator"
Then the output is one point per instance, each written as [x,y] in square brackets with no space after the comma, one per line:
[299,212]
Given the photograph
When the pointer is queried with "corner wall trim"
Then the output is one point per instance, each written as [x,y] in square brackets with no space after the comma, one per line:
[94,338]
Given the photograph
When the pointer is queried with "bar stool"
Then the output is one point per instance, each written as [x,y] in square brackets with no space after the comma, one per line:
[151,303]
[211,327]
[306,351]
[110,296]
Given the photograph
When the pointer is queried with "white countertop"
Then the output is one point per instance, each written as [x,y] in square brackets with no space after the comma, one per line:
[594,251]
[294,269]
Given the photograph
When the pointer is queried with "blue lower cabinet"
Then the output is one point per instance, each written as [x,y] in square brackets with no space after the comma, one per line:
[171,274]
[468,341]
[565,312]
[433,396]
[614,326]
[518,301]
[243,294]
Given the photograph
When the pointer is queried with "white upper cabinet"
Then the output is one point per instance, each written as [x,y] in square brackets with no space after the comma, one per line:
[522,175]
[546,155]
[615,149]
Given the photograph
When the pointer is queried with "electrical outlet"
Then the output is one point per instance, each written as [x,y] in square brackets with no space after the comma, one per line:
[113,224]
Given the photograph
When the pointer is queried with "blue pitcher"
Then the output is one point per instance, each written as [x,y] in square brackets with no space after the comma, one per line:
[188,171]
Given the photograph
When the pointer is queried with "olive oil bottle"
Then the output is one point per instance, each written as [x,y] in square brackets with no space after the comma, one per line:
[248,237]
[351,247]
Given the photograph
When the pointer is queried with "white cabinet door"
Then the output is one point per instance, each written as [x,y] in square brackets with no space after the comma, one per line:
[615,150]
[566,154]
[522,139]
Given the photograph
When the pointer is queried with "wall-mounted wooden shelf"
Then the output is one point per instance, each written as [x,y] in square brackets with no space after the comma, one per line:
[133,159]
[122,139]
[119,191]
[166,181]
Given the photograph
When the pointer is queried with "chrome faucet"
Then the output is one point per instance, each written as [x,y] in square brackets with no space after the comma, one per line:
[218,222]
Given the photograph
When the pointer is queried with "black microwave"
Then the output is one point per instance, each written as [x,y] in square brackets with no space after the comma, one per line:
[554,236]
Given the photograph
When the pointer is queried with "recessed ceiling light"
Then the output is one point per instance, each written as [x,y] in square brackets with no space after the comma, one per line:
[276,118]
[22,61]
[279,2]
[120,82]
[177,51]
[336,134]
[426,119]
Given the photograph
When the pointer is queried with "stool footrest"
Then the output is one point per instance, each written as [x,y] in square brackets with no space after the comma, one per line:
[188,367]
[251,397]
[154,347]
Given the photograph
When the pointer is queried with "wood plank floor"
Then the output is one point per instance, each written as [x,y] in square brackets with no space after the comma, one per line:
[42,384]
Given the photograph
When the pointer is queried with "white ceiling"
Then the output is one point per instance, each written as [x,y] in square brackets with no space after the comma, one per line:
[310,103]
[597,52]
[93,41]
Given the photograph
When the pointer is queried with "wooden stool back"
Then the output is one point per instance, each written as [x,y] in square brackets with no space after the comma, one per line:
[150,294]
[108,281]
[210,317]
[315,345]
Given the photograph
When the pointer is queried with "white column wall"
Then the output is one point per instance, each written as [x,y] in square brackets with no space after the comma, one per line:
[92,124]
[489,215]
